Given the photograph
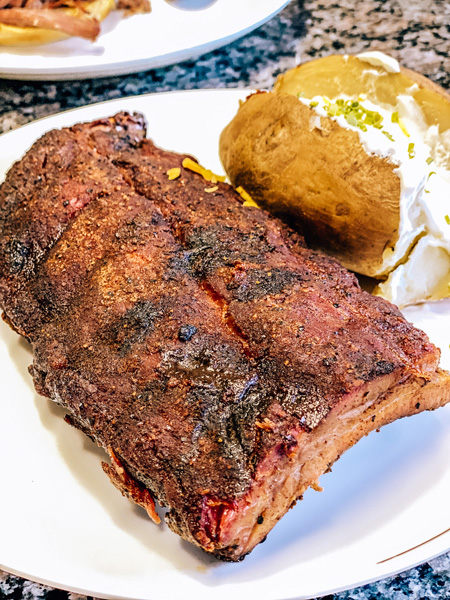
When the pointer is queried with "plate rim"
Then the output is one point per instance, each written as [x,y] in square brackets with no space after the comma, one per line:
[35,123]
[67,116]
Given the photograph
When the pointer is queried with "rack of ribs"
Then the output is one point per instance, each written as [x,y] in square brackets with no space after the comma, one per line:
[221,364]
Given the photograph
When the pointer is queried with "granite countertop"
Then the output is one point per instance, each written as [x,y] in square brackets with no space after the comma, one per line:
[416,32]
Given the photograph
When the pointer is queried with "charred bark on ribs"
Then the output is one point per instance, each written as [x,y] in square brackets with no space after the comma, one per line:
[222,364]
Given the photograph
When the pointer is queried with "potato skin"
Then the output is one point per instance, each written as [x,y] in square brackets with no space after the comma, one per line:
[317,175]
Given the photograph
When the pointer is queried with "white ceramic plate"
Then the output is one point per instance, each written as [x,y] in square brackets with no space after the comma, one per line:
[384,508]
[174,31]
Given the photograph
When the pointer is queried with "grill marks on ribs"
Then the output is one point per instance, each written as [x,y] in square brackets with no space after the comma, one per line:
[222,364]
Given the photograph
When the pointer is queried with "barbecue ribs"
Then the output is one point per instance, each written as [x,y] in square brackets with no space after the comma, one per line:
[222,364]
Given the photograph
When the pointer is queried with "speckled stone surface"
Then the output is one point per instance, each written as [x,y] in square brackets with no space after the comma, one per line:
[416,32]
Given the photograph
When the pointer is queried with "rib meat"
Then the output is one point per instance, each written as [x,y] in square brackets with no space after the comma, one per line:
[222,364]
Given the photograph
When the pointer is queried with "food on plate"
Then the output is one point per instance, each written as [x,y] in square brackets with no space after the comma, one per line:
[37,22]
[222,364]
[356,152]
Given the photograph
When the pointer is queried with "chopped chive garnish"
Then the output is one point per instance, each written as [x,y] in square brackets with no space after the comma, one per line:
[429,160]
[357,115]
[354,113]
[447,219]
[332,110]
[403,128]
[396,119]
[351,119]
[388,135]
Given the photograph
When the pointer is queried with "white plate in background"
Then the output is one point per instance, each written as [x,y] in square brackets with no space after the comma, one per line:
[174,31]
[384,507]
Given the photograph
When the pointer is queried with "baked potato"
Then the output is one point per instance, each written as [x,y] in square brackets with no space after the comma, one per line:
[354,151]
